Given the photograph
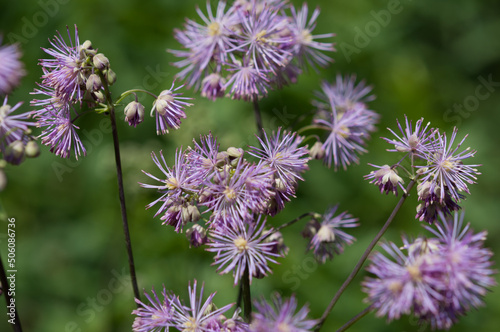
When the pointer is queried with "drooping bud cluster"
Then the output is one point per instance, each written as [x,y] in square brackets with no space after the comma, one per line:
[437,164]
[248,48]
[71,77]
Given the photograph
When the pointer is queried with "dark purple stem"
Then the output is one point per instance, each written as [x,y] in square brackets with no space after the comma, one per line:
[364,257]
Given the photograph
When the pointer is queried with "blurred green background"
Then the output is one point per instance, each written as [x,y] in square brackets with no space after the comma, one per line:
[422,59]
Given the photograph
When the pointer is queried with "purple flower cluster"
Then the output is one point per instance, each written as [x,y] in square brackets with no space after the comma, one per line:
[280,315]
[197,316]
[235,194]
[443,175]
[439,279]
[11,68]
[248,48]
[327,237]
[342,112]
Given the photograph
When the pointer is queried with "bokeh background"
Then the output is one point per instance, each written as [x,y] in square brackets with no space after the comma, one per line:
[72,266]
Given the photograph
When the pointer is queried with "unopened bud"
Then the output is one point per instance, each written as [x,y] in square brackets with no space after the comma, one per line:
[317,151]
[110,76]
[222,158]
[14,153]
[93,83]
[99,96]
[161,106]
[234,152]
[100,61]
[134,113]
[194,213]
[196,235]
[32,149]
[86,49]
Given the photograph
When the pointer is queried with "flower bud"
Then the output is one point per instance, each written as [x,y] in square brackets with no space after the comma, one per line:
[99,96]
[234,152]
[222,158]
[14,153]
[279,246]
[93,83]
[86,49]
[110,76]
[196,235]
[161,106]
[100,61]
[194,213]
[32,149]
[134,113]
[317,151]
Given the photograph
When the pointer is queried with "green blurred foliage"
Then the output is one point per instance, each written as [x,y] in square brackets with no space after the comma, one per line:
[422,60]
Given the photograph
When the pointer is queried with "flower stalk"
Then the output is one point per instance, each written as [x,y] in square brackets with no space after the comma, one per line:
[121,192]
[363,258]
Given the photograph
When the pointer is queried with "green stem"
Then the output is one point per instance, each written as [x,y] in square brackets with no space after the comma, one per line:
[314,126]
[121,192]
[355,319]
[128,92]
[365,255]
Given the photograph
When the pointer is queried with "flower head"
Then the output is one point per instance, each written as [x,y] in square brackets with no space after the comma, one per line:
[404,283]
[205,43]
[281,315]
[433,203]
[306,48]
[247,82]
[204,156]
[198,314]
[213,86]
[327,238]
[347,134]
[445,167]
[66,73]
[169,109]
[236,194]
[59,133]
[241,247]
[386,178]
[156,316]
[262,38]
[281,152]
[12,126]
[468,264]
[176,186]
[440,278]
[342,112]
[415,141]
[344,95]
[11,68]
